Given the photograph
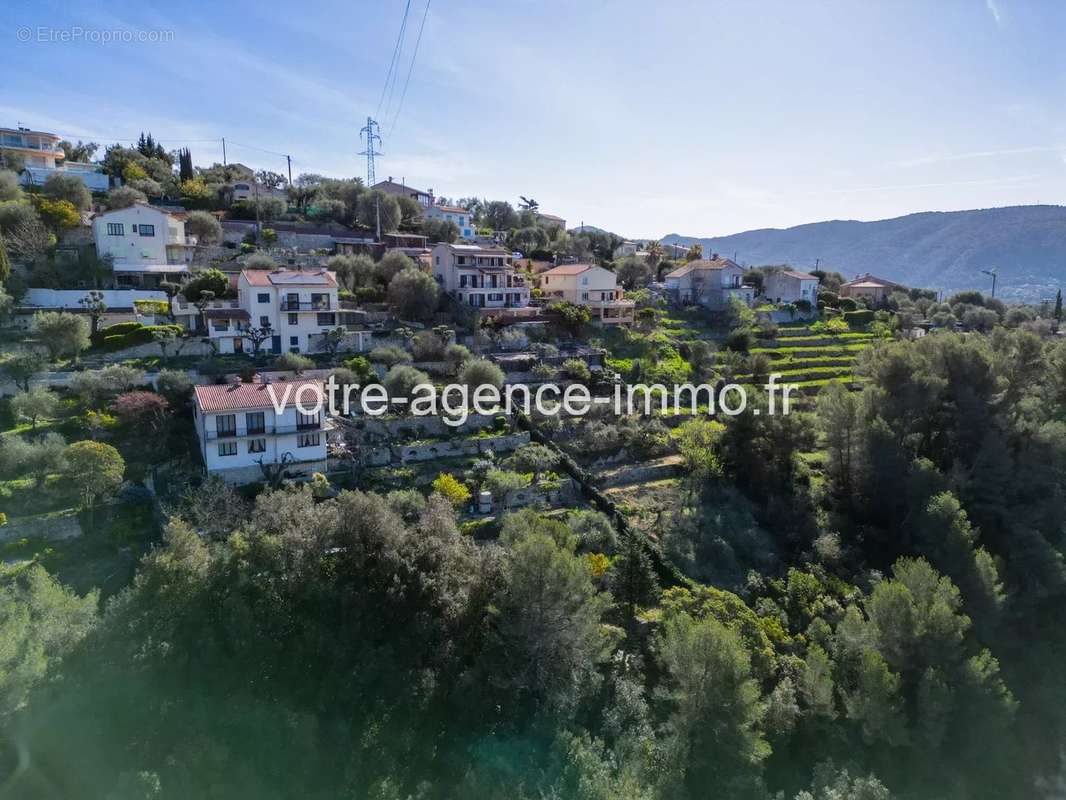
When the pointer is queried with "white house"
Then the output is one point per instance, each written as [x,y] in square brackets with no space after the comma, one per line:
[240,429]
[482,277]
[709,282]
[147,244]
[788,286]
[249,190]
[42,157]
[591,286]
[298,307]
[460,216]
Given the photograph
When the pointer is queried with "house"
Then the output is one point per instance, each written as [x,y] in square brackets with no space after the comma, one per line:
[548,220]
[482,277]
[870,288]
[462,218]
[627,248]
[249,190]
[390,186]
[147,244]
[591,286]
[297,306]
[42,157]
[789,286]
[709,282]
[240,429]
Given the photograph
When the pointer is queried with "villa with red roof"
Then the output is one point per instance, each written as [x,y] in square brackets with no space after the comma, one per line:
[869,287]
[242,427]
[711,282]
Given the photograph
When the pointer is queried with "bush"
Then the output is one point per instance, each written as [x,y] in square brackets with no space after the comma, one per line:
[577,370]
[293,361]
[859,319]
[128,334]
[452,490]
[427,346]
[739,340]
[836,326]
[481,371]
[847,304]
[389,356]
[413,294]
[401,380]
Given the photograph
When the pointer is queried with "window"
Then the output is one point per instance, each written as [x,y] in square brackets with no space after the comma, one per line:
[307,420]
[327,319]
[226,425]
[255,422]
[294,341]
[584,281]
[115,229]
[307,440]
[584,295]
[146,230]
[264,321]
[294,319]
[495,296]
[257,446]
[227,448]
[263,297]
[319,301]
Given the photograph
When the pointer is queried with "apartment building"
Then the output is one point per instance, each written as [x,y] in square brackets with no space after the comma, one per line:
[457,214]
[241,429]
[712,282]
[481,277]
[147,245]
[591,286]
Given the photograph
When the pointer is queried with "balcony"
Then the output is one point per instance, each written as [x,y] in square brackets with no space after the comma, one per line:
[265,430]
[305,305]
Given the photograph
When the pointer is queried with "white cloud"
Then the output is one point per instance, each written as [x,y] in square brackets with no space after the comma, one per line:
[993,9]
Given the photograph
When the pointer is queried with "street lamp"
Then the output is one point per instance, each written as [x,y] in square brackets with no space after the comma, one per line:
[991,272]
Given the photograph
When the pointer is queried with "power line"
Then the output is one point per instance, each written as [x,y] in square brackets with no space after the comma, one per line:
[394,62]
[410,69]
[370,152]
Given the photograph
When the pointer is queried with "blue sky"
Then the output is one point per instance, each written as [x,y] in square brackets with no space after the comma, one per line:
[701,118]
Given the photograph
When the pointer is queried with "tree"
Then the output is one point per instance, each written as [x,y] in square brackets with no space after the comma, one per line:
[94,305]
[124,197]
[456,355]
[331,340]
[21,367]
[533,457]
[841,422]
[569,317]
[5,261]
[95,469]
[257,336]
[634,272]
[392,264]
[213,280]
[57,215]
[352,271]
[42,621]
[293,361]
[270,179]
[414,295]
[45,457]
[452,490]
[717,745]
[440,230]
[185,167]
[632,578]
[1058,307]
[175,385]
[38,403]
[546,627]
[62,333]
[165,338]
[144,412]
[401,380]
[375,206]
[695,252]
[499,215]
[481,372]
[204,226]
[576,369]
[261,261]
[69,188]
[80,153]
[9,186]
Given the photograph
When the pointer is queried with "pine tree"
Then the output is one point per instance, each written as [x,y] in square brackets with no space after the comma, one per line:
[5,262]
[1058,306]
[185,165]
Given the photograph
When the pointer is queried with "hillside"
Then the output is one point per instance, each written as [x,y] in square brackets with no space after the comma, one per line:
[945,250]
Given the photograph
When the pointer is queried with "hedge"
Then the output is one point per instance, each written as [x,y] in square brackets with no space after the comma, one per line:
[128,334]
[859,319]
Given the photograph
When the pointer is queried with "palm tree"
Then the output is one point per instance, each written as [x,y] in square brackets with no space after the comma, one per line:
[528,204]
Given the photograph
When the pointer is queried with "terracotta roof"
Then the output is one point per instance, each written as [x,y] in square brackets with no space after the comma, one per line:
[865,285]
[451,209]
[702,264]
[869,279]
[290,277]
[568,269]
[240,396]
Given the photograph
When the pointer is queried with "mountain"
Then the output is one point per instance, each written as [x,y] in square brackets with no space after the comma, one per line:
[933,249]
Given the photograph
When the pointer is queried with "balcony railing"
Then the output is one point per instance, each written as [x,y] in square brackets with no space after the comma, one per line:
[306,305]
[266,430]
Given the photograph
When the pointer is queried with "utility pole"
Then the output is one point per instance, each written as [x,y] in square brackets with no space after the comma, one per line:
[370,131]
[288,160]
[223,151]
[991,272]
[258,228]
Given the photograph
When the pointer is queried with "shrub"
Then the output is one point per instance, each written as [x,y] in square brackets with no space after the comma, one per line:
[456,355]
[481,371]
[389,356]
[413,294]
[145,412]
[260,261]
[427,346]
[577,370]
[293,361]
[129,334]
[401,380]
[155,308]
[499,482]
[836,326]
[847,304]
[451,489]
[739,340]
[860,318]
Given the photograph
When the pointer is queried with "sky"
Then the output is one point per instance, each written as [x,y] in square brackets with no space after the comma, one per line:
[700,118]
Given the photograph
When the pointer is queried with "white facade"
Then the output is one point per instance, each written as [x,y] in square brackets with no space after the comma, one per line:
[481,277]
[788,286]
[147,244]
[248,190]
[239,428]
[591,286]
[298,306]
[37,148]
[460,216]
